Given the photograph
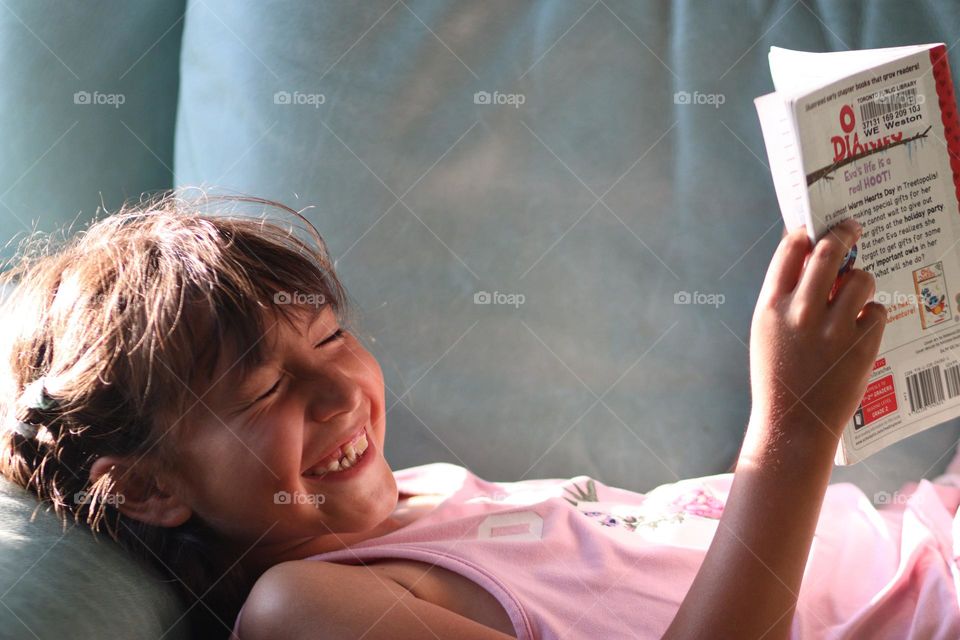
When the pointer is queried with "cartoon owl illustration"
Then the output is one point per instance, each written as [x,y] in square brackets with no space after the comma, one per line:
[933,303]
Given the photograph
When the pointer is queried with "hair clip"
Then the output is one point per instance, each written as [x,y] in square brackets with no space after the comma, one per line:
[25,429]
[35,395]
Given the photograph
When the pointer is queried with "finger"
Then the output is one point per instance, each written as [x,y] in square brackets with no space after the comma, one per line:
[825,261]
[855,289]
[786,264]
[873,320]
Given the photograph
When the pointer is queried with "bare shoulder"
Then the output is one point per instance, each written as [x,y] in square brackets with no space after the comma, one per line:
[291,597]
[303,599]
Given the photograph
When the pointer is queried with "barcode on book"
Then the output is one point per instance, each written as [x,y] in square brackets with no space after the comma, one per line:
[953,380]
[882,105]
[925,389]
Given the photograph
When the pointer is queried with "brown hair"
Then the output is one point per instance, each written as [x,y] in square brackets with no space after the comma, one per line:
[125,320]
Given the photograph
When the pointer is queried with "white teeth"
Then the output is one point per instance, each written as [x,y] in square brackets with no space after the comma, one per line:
[351,453]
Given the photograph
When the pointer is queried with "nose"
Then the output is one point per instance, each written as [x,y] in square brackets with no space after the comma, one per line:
[332,392]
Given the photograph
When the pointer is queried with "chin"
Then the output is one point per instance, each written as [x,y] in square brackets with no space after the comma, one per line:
[372,508]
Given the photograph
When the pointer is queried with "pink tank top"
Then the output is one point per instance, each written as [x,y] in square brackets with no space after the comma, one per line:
[574,558]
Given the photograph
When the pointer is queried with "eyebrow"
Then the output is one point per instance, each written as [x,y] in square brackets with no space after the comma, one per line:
[255,360]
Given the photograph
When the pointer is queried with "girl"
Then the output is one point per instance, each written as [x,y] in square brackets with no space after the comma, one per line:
[190,383]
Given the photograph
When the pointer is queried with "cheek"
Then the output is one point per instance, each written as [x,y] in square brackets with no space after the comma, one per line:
[257,457]
[278,443]
[367,373]
[374,386]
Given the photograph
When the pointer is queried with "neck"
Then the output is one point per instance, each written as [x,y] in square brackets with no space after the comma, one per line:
[257,560]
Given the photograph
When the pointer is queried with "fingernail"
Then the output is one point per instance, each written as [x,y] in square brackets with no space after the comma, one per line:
[857,227]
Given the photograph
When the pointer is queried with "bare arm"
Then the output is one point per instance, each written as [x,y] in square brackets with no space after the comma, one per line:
[733,467]
[748,584]
[810,358]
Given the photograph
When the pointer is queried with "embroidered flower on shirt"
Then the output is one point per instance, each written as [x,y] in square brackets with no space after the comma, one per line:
[696,502]
[632,522]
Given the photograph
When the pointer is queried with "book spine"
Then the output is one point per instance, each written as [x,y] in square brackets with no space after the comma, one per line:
[948,111]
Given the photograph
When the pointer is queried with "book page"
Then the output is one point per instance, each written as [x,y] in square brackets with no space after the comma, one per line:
[873,148]
[799,71]
[780,139]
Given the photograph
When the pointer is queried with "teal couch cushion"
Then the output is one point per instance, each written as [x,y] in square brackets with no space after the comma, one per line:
[57,583]
[89,101]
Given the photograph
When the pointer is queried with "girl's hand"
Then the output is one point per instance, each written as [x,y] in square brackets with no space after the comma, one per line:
[811,356]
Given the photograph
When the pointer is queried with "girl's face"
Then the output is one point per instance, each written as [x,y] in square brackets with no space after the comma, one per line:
[246,457]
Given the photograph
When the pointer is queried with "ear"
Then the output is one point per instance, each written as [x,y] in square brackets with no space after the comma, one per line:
[144,496]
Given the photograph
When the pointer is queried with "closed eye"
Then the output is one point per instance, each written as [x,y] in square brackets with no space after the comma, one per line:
[336,335]
[269,392]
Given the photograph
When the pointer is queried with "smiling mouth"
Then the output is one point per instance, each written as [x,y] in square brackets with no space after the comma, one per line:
[346,456]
